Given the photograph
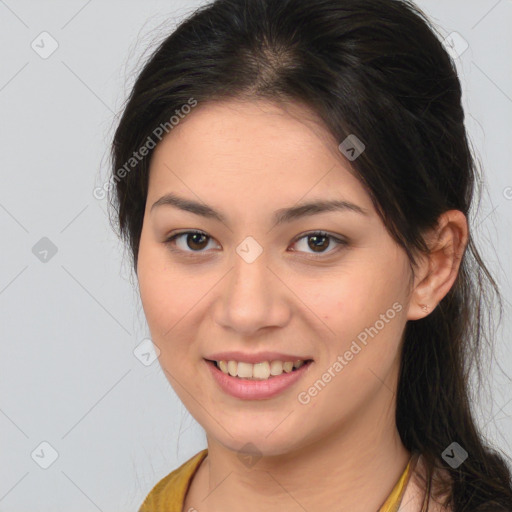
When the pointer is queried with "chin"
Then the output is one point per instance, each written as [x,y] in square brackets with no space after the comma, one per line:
[258,443]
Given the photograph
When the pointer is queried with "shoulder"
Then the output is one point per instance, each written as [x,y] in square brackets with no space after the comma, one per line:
[169,493]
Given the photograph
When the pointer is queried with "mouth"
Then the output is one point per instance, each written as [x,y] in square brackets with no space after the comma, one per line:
[256,381]
[260,381]
[262,371]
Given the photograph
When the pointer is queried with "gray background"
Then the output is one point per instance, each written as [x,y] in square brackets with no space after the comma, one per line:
[70,324]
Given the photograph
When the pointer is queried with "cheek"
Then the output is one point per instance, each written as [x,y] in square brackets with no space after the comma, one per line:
[160,290]
[362,310]
[359,353]
[154,296]
[171,301]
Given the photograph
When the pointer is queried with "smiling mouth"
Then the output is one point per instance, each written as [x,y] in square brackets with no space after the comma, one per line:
[264,370]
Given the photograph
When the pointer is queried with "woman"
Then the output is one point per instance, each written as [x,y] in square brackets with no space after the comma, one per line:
[293,179]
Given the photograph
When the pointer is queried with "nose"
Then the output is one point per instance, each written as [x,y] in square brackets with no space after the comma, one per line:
[252,298]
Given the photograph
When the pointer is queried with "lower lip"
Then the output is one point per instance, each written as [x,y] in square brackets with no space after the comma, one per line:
[256,389]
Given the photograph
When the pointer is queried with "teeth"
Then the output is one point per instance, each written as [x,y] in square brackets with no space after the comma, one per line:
[258,371]
[244,370]
[276,368]
[232,366]
[288,366]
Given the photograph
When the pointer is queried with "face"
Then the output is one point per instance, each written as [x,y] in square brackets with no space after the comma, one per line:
[256,280]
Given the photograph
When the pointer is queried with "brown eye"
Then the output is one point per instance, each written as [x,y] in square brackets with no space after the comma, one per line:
[319,241]
[196,241]
[189,241]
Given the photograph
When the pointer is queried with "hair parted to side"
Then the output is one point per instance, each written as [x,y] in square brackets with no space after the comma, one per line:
[376,69]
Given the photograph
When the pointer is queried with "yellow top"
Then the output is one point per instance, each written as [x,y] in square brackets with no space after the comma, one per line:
[168,495]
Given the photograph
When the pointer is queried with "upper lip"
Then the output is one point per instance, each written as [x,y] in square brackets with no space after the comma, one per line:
[255,358]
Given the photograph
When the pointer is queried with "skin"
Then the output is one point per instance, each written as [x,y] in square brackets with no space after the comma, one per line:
[341,451]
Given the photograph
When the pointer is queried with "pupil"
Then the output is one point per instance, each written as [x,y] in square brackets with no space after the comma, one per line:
[193,235]
[315,246]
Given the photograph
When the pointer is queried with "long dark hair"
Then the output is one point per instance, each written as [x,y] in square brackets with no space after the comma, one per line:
[375,69]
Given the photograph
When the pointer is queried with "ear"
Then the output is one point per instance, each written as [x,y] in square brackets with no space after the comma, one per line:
[438,270]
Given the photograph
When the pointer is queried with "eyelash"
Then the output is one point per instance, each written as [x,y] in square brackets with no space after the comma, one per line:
[195,254]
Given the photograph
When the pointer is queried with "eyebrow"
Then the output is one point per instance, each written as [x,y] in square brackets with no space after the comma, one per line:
[280,216]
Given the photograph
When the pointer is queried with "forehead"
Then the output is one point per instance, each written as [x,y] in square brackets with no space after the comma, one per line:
[250,150]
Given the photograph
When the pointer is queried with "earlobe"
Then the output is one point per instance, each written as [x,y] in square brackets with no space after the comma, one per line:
[424,308]
[422,302]
[440,267]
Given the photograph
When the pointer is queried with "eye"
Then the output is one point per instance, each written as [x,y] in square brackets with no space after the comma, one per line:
[192,242]
[320,240]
